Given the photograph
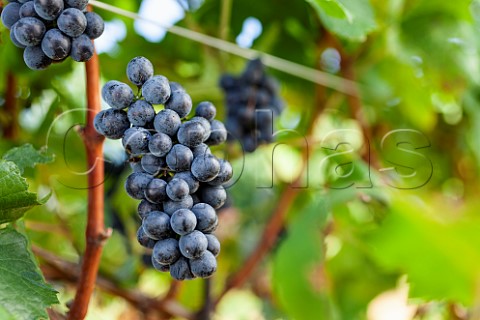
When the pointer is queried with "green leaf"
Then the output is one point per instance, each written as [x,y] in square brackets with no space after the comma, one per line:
[26,156]
[23,291]
[297,262]
[349,19]
[439,258]
[332,8]
[15,199]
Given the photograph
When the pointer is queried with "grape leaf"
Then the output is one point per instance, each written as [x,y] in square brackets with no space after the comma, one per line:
[349,19]
[15,199]
[302,251]
[23,291]
[439,258]
[332,8]
[26,156]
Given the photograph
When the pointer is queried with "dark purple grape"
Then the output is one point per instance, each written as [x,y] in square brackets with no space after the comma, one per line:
[29,31]
[139,70]
[206,110]
[35,59]
[204,266]
[193,245]
[72,22]
[82,48]
[48,9]
[56,45]
[95,25]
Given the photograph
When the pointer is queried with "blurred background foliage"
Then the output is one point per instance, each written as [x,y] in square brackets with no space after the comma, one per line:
[353,247]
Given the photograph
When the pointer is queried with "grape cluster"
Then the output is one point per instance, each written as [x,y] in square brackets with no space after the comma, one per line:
[175,175]
[52,30]
[253,103]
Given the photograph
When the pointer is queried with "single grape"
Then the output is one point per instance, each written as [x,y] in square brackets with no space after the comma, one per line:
[15,40]
[206,125]
[218,133]
[156,191]
[201,150]
[183,221]
[166,251]
[214,196]
[160,144]
[48,9]
[213,244]
[193,245]
[82,48]
[224,175]
[11,14]
[204,266]
[177,189]
[29,31]
[111,123]
[170,206]
[136,184]
[56,45]
[77,4]
[212,228]
[167,121]
[35,59]
[191,133]
[135,140]
[205,168]
[206,110]
[140,113]
[156,90]
[117,94]
[206,216]
[180,102]
[144,240]
[72,22]
[139,70]
[180,270]
[28,10]
[152,164]
[176,87]
[95,25]
[145,207]
[160,267]
[156,225]
[193,184]
[179,158]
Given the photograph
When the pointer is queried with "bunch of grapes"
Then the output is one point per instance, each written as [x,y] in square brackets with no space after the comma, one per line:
[52,30]
[253,103]
[175,175]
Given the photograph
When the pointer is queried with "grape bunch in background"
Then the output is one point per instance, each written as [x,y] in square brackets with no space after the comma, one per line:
[52,30]
[253,103]
[175,175]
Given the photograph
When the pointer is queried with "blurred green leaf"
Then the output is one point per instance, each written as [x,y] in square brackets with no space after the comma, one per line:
[439,258]
[26,156]
[298,263]
[23,291]
[332,8]
[15,199]
[349,19]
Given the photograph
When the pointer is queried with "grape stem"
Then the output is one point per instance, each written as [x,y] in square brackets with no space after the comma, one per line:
[11,128]
[96,234]
[54,267]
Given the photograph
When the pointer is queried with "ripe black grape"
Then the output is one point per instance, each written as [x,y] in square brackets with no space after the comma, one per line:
[253,103]
[60,28]
[176,177]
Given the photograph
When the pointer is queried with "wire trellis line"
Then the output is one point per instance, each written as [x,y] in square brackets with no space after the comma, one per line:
[322,78]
